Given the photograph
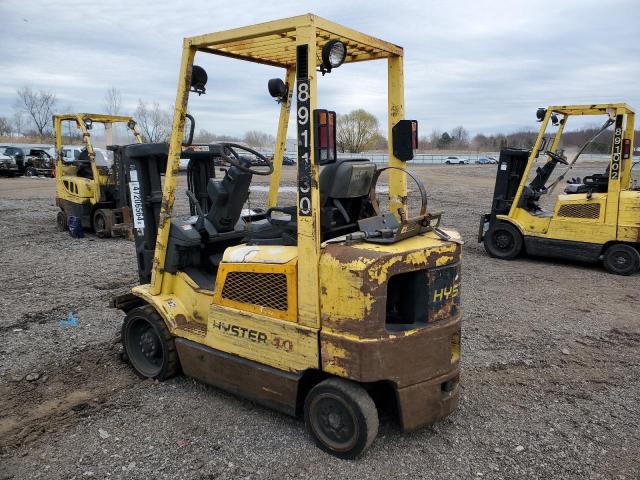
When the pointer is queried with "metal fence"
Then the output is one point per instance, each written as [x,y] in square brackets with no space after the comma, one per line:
[434,159]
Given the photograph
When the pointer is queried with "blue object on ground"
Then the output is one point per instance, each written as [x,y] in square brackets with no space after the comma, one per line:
[71,320]
[75,227]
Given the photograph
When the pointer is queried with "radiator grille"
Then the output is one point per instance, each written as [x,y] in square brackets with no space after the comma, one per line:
[263,289]
[585,210]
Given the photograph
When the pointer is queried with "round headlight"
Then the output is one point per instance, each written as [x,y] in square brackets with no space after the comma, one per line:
[333,54]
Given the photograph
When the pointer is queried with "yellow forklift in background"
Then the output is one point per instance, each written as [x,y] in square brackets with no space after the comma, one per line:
[327,308]
[90,186]
[597,218]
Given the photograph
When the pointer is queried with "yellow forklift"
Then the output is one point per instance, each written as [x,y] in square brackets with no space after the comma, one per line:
[329,308]
[89,185]
[597,218]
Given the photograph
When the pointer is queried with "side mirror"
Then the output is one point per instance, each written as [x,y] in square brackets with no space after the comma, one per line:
[199,79]
[278,89]
[405,139]
[187,136]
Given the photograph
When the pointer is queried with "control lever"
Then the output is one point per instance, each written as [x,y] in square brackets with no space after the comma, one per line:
[196,203]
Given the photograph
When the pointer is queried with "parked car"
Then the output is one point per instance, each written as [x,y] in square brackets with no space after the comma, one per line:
[70,153]
[458,160]
[31,161]
[486,160]
[8,165]
[288,161]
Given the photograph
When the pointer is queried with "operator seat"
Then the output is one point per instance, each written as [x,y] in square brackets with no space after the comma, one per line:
[83,164]
[596,183]
[344,199]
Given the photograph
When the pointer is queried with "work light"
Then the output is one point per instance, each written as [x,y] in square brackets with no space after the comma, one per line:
[88,123]
[333,54]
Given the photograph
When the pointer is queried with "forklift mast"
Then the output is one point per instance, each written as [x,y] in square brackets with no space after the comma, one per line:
[511,167]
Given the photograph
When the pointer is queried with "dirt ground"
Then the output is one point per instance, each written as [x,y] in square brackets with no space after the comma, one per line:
[550,383]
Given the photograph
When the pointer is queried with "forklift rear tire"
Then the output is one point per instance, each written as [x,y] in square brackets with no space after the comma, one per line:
[621,259]
[503,241]
[341,417]
[102,223]
[61,221]
[148,345]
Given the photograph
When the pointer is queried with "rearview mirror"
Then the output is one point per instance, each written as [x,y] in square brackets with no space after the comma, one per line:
[278,89]
[199,79]
[187,134]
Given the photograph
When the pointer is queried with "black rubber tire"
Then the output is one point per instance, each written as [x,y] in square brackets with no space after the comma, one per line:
[352,406]
[503,241]
[621,259]
[148,346]
[102,223]
[30,172]
[61,221]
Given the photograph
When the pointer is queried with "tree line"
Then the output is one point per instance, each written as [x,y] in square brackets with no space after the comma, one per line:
[34,110]
[357,131]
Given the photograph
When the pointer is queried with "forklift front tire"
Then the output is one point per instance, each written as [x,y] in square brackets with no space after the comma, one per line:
[61,221]
[621,259]
[341,417]
[102,223]
[148,345]
[503,241]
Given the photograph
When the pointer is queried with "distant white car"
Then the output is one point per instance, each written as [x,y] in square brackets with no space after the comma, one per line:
[458,160]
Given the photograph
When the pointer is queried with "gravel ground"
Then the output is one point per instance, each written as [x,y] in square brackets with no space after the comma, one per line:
[550,386]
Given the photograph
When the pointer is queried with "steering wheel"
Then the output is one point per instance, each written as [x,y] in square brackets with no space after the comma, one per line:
[234,159]
[557,157]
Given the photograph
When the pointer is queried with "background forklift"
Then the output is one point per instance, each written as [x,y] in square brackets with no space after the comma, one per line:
[316,308]
[597,217]
[92,187]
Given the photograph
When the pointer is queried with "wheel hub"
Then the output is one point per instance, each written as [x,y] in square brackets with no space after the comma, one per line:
[334,421]
[622,260]
[503,240]
[148,344]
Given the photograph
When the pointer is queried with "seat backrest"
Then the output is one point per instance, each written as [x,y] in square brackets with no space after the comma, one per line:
[345,179]
[344,191]
[227,197]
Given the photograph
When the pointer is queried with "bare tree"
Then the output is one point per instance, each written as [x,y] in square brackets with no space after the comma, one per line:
[113,101]
[5,126]
[460,137]
[38,106]
[18,122]
[205,136]
[258,139]
[356,131]
[434,137]
[154,122]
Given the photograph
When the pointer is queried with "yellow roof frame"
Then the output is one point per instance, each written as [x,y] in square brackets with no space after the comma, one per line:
[274,43]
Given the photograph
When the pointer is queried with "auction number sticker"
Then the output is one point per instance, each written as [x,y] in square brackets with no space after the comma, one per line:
[303,96]
[616,163]
[136,201]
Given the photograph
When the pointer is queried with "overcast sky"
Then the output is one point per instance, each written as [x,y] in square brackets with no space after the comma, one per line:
[486,65]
